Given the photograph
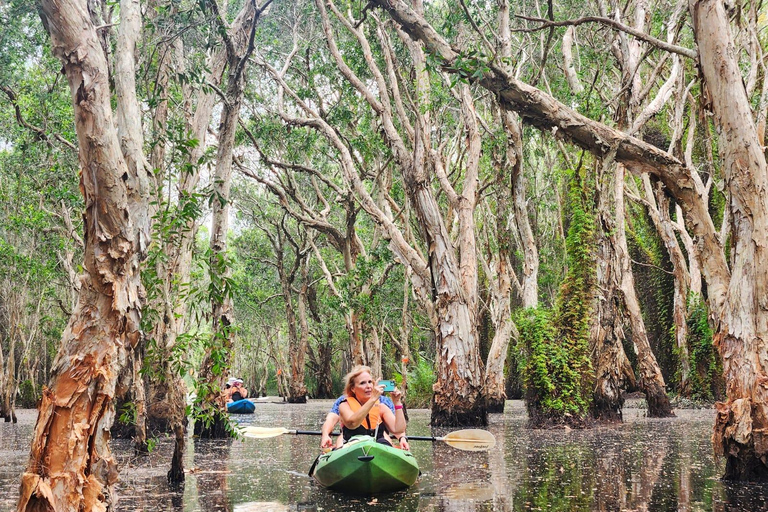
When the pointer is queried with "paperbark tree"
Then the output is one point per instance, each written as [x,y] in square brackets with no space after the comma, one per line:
[511,193]
[446,281]
[71,466]
[736,295]
[210,403]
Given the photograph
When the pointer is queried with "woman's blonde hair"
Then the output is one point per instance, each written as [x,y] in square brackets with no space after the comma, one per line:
[349,379]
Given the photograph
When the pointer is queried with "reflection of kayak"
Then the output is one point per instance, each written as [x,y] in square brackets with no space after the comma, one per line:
[363,466]
[244,406]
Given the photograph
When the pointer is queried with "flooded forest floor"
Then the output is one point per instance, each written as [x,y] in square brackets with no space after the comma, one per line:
[642,464]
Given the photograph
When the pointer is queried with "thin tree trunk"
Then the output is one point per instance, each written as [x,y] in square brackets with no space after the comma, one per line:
[222,308]
[658,209]
[611,366]
[300,342]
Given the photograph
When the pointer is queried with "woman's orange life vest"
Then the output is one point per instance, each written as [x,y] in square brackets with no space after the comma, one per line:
[368,426]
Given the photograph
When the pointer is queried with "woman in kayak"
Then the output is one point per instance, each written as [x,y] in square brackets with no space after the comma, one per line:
[362,412]
[235,390]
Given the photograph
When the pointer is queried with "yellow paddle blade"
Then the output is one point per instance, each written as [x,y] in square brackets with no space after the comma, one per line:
[263,432]
[471,440]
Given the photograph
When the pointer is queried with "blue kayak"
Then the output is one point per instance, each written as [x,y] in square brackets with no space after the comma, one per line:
[244,406]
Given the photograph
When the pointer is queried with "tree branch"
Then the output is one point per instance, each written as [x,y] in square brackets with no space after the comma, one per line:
[24,123]
[663,45]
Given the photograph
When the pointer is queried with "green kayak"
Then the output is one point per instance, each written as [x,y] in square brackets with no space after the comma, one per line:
[363,466]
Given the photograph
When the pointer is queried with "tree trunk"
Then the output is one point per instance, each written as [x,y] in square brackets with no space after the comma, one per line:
[70,465]
[658,210]
[611,366]
[325,358]
[741,426]
[651,381]
[299,342]
[212,374]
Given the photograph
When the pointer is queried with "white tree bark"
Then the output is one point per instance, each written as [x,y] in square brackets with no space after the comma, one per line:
[71,466]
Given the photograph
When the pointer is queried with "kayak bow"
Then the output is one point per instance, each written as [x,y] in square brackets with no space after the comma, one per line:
[363,466]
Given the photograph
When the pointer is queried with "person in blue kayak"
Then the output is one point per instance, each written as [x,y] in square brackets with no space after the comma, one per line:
[235,390]
[362,413]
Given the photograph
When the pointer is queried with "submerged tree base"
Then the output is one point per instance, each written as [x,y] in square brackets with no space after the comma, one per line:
[495,405]
[658,401]
[605,410]
[475,417]
[739,437]
[216,429]
[538,418]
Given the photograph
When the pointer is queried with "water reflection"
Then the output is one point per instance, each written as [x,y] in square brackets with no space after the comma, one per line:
[642,465]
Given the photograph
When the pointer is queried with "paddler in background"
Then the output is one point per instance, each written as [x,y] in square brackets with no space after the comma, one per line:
[235,390]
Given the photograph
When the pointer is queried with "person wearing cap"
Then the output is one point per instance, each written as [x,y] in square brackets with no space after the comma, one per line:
[235,390]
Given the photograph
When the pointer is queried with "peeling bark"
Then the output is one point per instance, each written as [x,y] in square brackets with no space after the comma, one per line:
[70,465]
[742,321]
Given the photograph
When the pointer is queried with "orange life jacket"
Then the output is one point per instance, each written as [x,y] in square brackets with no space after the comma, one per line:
[368,426]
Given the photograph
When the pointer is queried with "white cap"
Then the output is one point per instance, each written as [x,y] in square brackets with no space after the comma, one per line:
[231,381]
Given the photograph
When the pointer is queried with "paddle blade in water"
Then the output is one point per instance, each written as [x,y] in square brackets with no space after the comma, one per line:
[263,432]
[471,440]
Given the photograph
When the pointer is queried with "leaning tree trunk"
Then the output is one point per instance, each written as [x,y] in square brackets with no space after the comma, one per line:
[658,209]
[651,381]
[167,399]
[741,426]
[500,271]
[71,466]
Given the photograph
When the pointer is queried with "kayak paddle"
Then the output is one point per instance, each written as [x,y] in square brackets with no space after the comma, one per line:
[267,432]
[472,440]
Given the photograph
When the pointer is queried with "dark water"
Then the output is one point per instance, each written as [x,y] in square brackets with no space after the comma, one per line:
[644,464]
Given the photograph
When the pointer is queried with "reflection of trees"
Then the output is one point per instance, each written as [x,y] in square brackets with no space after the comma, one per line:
[643,485]
[503,486]
[212,469]
[610,487]
[556,480]
[462,479]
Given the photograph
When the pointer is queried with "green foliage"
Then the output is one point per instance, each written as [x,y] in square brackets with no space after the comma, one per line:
[554,346]
[553,384]
[706,367]
[654,284]
[421,378]
[29,394]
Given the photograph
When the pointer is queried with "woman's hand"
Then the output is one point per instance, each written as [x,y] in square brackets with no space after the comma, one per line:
[376,392]
[396,396]
[403,442]
[325,441]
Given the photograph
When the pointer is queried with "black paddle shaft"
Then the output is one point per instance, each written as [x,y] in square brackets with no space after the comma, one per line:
[312,433]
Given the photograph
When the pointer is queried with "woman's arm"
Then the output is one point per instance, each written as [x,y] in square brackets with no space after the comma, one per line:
[395,422]
[352,420]
[397,397]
